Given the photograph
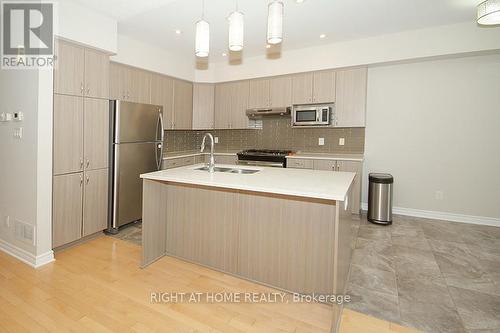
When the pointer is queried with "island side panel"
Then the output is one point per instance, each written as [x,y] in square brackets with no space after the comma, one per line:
[281,241]
[201,226]
[153,221]
[345,234]
[287,242]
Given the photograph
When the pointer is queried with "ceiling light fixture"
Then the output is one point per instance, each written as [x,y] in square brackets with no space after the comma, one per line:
[224,54]
[275,22]
[202,43]
[299,1]
[236,25]
[322,36]
[488,12]
[178,32]
[268,46]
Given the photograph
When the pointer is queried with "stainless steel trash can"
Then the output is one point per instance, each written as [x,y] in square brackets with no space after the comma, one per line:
[380,198]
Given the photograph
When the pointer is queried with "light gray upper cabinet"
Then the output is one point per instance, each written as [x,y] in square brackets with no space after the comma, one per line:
[96,78]
[239,105]
[81,71]
[270,92]
[183,105]
[222,115]
[281,91]
[130,84]
[324,87]
[203,105]
[231,103]
[314,87]
[350,106]
[259,94]
[302,88]
[69,69]
[162,93]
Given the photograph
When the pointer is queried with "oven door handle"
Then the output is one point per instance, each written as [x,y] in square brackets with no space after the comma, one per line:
[261,163]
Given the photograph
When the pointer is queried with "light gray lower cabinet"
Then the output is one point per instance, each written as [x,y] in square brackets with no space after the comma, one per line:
[334,165]
[79,205]
[346,166]
[296,163]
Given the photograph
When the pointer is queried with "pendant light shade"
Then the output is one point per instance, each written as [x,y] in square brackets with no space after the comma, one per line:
[236,25]
[275,22]
[202,44]
[488,12]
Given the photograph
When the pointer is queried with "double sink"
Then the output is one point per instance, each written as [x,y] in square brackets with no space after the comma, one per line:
[230,170]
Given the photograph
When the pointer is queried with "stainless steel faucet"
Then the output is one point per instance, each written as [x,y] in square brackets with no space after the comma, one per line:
[211,163]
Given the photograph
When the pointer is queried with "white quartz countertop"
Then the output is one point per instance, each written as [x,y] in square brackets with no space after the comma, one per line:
[315,184]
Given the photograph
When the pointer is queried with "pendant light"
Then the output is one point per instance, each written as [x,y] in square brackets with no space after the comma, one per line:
[202,43]
[275,22]
[236,25]
[488,12]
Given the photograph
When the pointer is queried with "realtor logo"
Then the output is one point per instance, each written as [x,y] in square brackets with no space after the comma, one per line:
[27,34]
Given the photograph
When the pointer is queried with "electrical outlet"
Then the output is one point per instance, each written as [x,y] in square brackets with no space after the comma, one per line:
[439,195]
[321,141]
[216,139]
[341,141]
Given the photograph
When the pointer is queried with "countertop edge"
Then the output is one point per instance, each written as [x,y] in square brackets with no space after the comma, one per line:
[243,188]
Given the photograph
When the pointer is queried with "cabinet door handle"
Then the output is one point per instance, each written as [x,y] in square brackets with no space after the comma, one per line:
[82,88]
[87,180]
[88,90]
[81,180]
[81,163]
[88,163]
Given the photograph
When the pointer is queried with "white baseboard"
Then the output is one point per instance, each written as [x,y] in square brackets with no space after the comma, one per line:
[25,256]
[428,214]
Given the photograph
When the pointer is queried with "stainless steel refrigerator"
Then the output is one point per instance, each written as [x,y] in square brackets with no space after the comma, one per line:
[136,147]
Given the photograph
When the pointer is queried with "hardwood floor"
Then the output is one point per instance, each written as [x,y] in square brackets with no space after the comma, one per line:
[98,287]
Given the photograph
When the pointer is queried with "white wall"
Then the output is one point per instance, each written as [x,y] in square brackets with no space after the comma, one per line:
[78,23]
[430,42]
[139,54]
[18,161]
[436,127]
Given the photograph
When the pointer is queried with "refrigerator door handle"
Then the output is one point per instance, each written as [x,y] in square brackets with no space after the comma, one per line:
[159,145]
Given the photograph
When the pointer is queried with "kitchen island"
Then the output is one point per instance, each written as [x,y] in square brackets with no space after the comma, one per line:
[290,229]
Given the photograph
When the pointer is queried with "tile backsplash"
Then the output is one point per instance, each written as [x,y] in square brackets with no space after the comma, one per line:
[276,133]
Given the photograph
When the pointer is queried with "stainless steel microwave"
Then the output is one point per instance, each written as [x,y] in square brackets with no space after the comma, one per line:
[312,115]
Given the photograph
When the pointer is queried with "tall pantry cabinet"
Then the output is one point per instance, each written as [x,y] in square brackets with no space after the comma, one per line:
[80,143]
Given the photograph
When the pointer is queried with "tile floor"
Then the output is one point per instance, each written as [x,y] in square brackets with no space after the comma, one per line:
[435,276]
[131,232]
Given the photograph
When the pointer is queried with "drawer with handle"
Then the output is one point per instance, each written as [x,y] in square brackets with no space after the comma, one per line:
[299,163]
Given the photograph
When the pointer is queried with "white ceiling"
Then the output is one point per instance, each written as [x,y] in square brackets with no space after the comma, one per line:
[155,21]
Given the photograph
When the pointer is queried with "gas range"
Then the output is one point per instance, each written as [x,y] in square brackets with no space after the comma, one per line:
[264,157]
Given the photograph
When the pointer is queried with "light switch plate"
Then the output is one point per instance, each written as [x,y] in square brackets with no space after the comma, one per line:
[321,141]
[341,141]
[216,139]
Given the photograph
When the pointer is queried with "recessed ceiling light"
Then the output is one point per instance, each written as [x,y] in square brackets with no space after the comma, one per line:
[178,32]
[299,1]
[322,36]
[224,54]
[268,46]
